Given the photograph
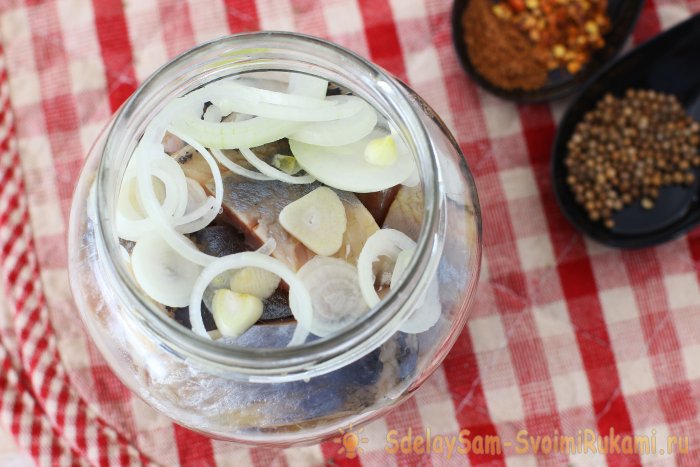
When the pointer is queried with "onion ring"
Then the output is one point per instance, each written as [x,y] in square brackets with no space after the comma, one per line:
[299,301]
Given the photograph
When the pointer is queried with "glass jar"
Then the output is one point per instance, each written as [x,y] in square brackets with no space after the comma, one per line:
[279,396]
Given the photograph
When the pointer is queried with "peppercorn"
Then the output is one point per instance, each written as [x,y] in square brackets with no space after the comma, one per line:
[626,148]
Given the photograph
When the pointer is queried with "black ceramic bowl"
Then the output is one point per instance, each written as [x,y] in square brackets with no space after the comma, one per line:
[623,16]
[669,63]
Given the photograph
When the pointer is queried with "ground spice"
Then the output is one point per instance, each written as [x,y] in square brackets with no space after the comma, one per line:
[499,51]
[564,33]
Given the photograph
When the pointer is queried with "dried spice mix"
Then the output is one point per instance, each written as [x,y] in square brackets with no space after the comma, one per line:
[515,43]
[500,52]
[564,32]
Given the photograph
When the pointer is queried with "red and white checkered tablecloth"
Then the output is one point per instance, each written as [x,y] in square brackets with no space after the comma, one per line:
[566,336]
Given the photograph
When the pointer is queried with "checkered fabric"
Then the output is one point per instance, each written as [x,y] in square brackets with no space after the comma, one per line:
[565,336]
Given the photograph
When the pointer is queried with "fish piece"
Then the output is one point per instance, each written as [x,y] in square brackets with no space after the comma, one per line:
[182,316]
[220,240]
[253,207]
[406,212]
[276,311]
[379,202]
[172,144]
[195,167]
[277,308]
[360,225]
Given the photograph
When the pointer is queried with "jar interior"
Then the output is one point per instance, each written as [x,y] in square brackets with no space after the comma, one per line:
[272,335]
[273,394]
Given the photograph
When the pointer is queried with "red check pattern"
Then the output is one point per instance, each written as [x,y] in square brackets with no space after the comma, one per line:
[565,335]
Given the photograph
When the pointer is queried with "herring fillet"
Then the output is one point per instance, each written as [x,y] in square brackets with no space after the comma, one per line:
[253,207]
[406,211]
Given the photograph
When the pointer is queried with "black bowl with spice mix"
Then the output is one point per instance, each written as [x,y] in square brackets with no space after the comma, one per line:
[539,50]
[626,159]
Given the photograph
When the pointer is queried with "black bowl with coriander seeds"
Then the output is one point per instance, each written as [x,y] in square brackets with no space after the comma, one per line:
[666,202]
[558,83]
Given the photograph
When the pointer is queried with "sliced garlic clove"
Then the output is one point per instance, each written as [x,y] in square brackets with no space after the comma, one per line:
[234,313]
[287,164]
[255,281]
[317,220]
[381,151]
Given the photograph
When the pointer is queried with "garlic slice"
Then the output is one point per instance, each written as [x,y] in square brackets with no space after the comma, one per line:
[381,151]
[317,220]
[234,313]
[255,281]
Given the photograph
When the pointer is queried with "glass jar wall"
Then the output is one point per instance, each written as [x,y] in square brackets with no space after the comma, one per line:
[269,394]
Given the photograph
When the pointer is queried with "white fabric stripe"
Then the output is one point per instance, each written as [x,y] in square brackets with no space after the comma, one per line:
[91,440]
[45,444]
[303,456]
[208,21]
[276,15]
[39,324]
[145,33]
[25,421]
[85,68]
[8,192]
[70,411]
[4,97]
[6,125]
[15,254]
[39,327]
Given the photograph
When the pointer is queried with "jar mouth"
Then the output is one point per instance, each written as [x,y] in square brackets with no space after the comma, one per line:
[255,52]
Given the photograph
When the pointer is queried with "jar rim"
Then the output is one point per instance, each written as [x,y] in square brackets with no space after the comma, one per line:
[267,364]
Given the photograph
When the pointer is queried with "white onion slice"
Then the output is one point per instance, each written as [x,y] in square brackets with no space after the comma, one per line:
[212,114]
[233,97]
[299,337]
[300,332]
[345,167]
[263,80]
[186,225]
[299,298]
[305,91]
[237,169]
[335,294]
[427,312]
[171,169]
[174,191]
[339,132]
[306,85]
[130,220]
[196,196]
[272,172]
[199,206]
[400,266]
[202,215]
[161,272]
[232,135]
[240,117]
[147,153]
[384,242]
[230,91]
[428,309]
[268,247]
[161,221]
[130,229]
